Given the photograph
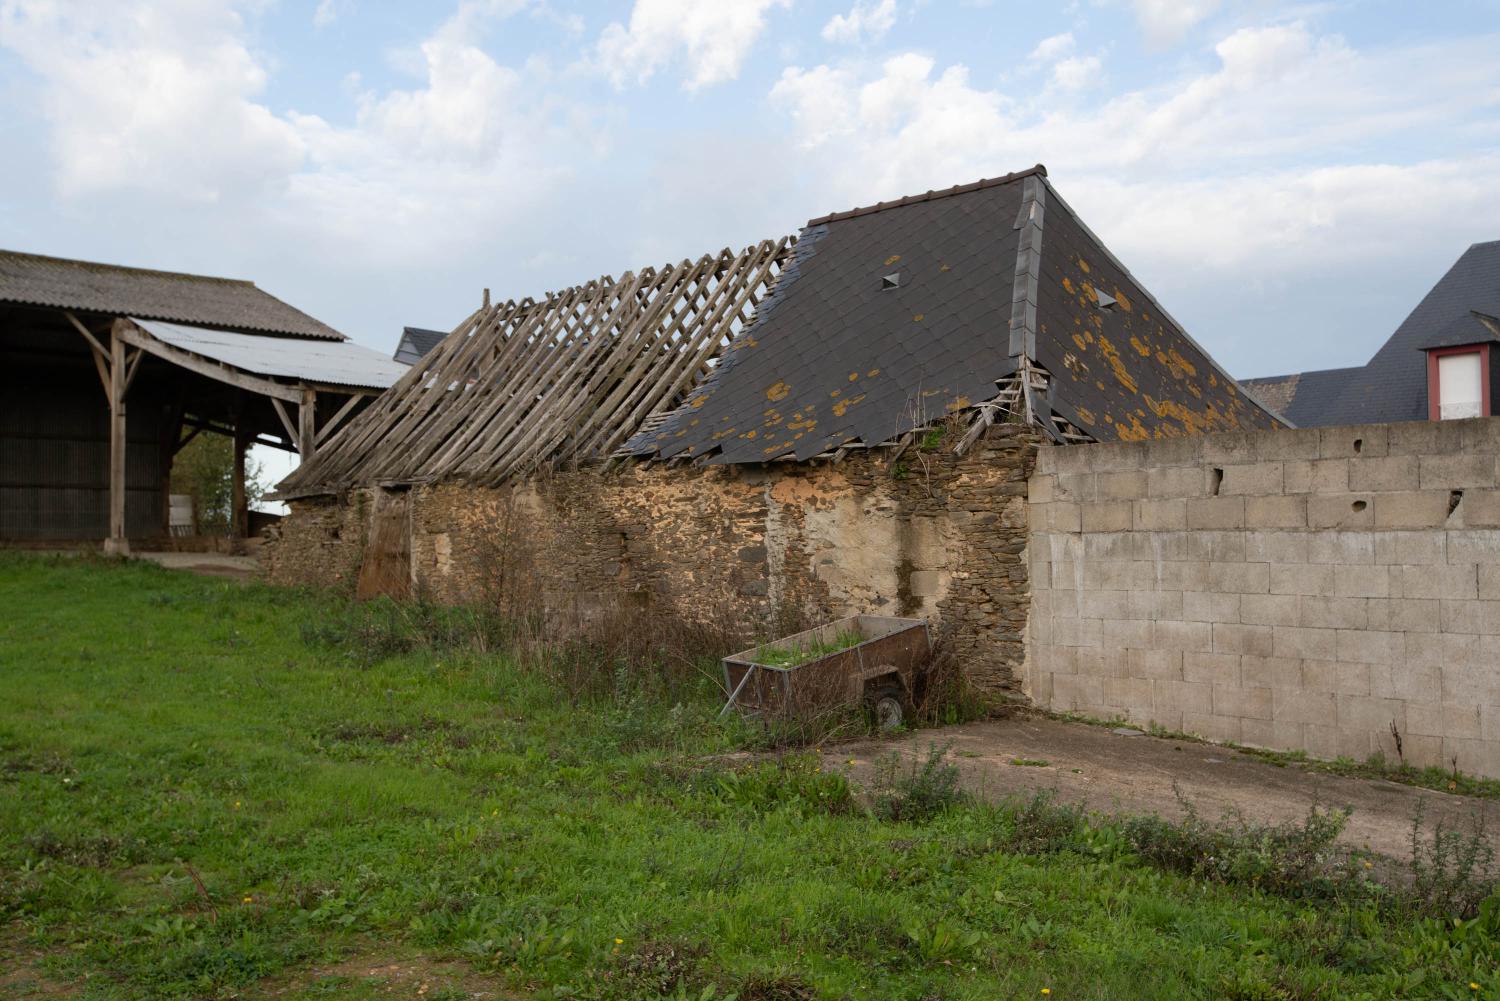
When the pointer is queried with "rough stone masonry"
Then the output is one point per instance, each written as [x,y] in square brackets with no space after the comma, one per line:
[1332,590]
[926,533]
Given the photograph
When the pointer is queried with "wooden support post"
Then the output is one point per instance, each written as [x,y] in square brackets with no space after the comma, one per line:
[117,544]
[238,507]
[307,424]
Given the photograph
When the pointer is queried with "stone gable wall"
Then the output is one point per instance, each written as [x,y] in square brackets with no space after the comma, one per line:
[1294,589]
[929,534]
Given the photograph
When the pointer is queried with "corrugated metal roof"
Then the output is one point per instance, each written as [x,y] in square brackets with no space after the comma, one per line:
[339,362]
[35,280]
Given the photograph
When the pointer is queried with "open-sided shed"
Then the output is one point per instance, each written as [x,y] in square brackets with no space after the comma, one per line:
[187,353]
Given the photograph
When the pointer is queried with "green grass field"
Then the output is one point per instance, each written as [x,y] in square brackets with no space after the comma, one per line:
[208,789]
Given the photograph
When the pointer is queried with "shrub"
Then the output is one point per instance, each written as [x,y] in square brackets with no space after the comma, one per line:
[1452,873]
[1293,859]
[928,788]
[1041,825]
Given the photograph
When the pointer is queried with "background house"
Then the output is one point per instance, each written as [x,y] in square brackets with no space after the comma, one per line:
[416,342]
[1438,365]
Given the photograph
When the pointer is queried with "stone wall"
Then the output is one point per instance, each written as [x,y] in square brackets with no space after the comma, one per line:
[1304,589]
[929,534]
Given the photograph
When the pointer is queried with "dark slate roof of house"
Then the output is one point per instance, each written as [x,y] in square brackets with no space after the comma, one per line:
[1472,327]
[416,342]
[61,283]
[894,315]
[1393,386]
[1303,397]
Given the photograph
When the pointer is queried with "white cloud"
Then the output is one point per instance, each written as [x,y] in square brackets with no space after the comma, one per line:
[1052,48]
[157,96]
[713,39]
[1077,72]
[1165,22]
[867,20]
[164,101]
[329,11]
[1200,165]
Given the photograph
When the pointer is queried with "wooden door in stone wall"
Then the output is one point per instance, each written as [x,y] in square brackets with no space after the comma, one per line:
[386,568]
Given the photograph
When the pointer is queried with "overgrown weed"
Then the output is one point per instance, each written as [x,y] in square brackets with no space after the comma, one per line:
[918,792]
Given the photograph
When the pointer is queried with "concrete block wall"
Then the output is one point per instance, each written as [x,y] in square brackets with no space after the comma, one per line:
[1292,589]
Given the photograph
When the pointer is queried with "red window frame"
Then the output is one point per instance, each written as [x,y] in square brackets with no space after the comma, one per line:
[1434,396]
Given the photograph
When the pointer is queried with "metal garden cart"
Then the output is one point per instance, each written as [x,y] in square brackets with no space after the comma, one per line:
[878,670]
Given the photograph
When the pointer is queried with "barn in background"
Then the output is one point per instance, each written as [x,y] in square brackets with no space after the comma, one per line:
[107,371]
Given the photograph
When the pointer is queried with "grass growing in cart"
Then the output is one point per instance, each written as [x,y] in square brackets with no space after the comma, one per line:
[800,652]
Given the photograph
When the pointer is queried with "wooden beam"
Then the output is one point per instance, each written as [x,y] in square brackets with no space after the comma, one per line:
[181,444]
[136,337]
[286,421]
[88,335]
[133,364]
[102,367]
[307,424]
[117,544]
[239,509]
[337,418]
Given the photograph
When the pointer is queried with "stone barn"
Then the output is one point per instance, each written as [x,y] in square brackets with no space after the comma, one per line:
[841,422]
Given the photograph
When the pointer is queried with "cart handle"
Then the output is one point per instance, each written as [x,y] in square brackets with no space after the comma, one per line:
[736,693]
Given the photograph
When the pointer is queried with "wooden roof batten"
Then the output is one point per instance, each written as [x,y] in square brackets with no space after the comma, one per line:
[520,385]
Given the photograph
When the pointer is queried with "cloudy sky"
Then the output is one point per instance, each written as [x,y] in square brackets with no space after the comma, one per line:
[1288,179]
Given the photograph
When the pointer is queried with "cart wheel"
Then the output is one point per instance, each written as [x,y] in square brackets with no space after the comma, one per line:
[887,707]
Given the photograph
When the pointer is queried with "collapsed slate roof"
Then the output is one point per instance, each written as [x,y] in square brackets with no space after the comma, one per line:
[987,301]
[86,286]
[893,316]
[1392,386]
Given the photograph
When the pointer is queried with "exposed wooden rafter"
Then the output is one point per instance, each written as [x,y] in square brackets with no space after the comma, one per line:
[567,379]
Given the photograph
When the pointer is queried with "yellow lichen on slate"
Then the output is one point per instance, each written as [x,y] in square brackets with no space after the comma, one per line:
[778,391]
[1113,357]
[842,406]
[892,259]
[1179,362]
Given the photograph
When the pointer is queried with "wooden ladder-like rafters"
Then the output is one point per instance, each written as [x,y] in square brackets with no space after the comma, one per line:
[568,379]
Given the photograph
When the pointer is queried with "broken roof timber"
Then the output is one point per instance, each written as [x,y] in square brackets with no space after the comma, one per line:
[518,385]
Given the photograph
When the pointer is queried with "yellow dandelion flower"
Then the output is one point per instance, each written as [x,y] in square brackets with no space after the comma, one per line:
[249,899]
[1046,990]
[1473,986]
[619,941]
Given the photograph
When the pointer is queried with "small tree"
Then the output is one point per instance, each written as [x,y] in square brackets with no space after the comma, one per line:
[204,470]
